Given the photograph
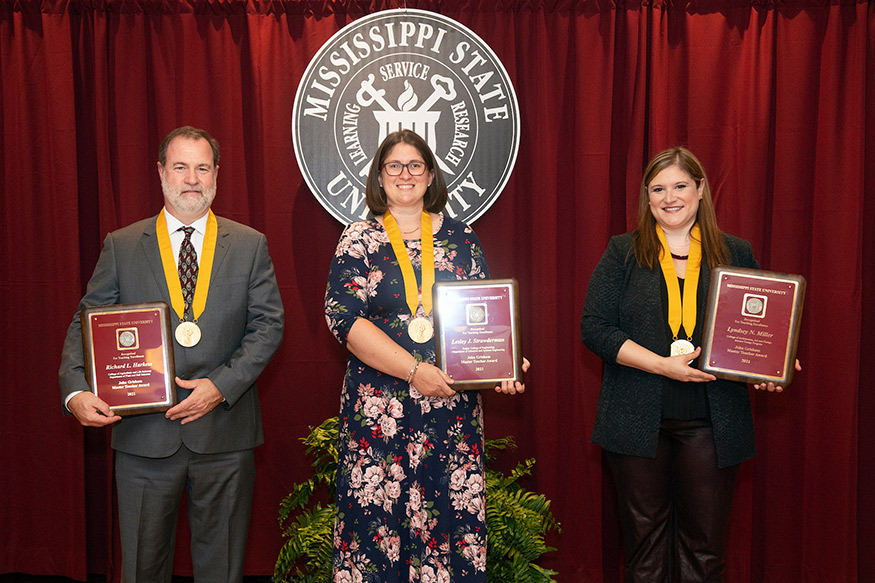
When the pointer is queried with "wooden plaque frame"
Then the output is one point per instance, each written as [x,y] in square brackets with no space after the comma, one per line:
[477,332]
[128,353]
[752,325]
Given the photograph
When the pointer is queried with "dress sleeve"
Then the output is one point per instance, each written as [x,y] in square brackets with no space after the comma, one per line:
[600,322]
[346,296]
[477,268]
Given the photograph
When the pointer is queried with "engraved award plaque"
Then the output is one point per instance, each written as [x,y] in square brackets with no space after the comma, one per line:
[128,353]
[752,325]
[477,338]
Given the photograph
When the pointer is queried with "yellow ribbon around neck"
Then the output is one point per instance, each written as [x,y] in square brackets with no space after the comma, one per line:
[676,307]
[406,265]
[205,267]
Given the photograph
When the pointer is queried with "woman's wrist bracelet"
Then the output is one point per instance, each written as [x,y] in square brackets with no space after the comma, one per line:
[412,372]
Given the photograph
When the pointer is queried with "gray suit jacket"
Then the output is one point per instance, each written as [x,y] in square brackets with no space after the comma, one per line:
[623,301]
[242,327]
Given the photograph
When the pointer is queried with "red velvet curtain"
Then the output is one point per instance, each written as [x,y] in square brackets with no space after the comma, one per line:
[776,98]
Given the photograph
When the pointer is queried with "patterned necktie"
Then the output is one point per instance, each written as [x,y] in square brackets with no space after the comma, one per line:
[187,266]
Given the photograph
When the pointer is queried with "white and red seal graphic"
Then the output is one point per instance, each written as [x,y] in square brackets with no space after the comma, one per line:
[405,69]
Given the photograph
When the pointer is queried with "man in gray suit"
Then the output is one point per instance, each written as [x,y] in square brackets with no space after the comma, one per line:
[233,327]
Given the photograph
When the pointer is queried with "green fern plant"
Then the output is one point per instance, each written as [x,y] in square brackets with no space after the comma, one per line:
[517,520]
[306,555]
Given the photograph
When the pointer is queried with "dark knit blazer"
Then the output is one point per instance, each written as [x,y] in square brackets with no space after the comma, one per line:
[624,302]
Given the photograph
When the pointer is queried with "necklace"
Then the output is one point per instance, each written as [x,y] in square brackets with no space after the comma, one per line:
[676,256]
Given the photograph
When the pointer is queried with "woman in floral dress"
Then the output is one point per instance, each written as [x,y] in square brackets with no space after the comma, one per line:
[410,481]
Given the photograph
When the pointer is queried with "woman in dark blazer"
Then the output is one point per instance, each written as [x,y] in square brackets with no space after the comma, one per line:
[673,435]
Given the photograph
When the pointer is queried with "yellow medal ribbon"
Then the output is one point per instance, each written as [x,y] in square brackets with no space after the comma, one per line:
[691,284]
[406,265]
[205,267]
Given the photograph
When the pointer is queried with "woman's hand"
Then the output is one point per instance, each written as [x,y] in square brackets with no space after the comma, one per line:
[510,387]
[673,367]
[678,368]
[772,387]
[431,381]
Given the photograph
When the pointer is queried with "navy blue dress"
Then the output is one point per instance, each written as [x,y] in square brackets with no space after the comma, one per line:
[410,482]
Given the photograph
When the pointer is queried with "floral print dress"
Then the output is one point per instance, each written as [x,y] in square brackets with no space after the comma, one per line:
[410,483]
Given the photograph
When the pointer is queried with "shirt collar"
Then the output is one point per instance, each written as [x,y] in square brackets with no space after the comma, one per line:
[174,224]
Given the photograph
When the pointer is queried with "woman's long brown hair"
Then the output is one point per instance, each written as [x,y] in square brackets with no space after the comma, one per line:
[645,241]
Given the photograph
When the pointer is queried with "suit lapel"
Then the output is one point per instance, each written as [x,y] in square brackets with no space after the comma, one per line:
[149,247]
[223,243]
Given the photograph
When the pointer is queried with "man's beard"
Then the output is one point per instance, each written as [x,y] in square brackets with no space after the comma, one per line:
[188,203]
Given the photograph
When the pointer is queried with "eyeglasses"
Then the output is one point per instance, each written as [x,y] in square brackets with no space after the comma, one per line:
[396,168]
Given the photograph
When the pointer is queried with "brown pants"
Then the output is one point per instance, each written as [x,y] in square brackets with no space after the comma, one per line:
[674,510]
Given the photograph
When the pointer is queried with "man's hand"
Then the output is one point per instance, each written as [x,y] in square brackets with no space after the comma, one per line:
[91,411]
[203,399]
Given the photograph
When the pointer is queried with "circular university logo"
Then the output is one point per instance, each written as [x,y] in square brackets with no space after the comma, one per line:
[754,305]
[405,69]
[127,338]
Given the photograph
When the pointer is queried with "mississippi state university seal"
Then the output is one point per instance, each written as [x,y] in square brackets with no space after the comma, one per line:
[405,69]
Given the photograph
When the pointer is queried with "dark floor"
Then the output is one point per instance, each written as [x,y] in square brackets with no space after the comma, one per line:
[19,578]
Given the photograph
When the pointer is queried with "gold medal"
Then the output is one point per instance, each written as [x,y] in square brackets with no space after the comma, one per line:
[420,330]
[188,334]
[681,346]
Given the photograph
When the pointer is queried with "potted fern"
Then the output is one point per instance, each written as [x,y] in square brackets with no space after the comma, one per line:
[518,520]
